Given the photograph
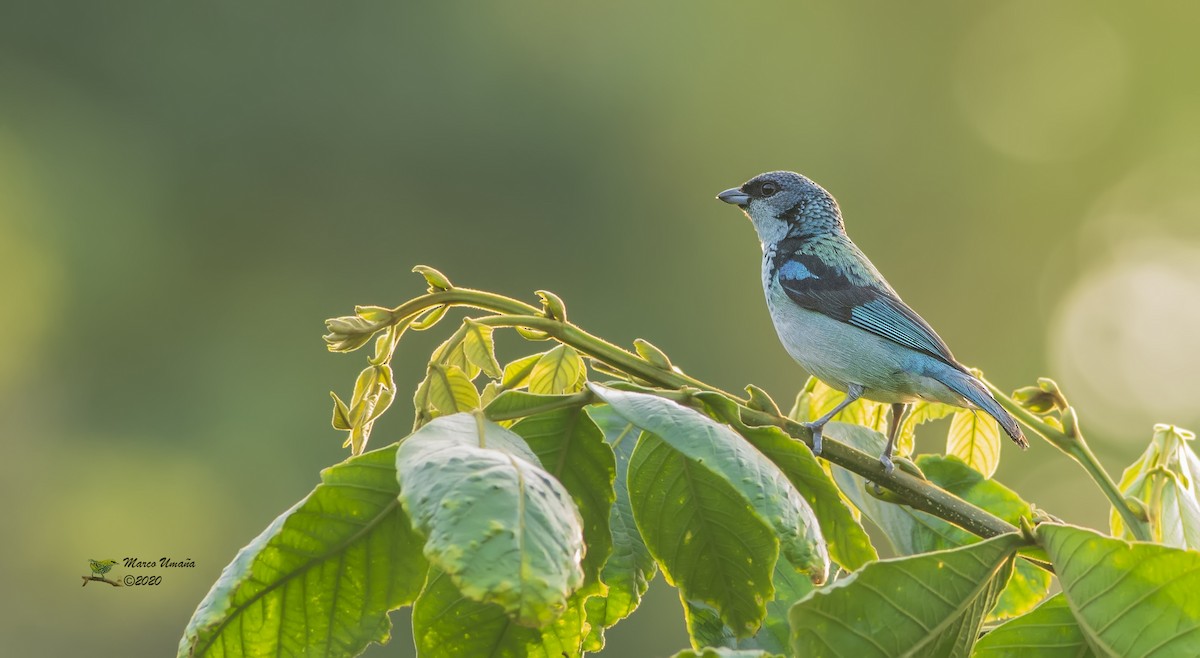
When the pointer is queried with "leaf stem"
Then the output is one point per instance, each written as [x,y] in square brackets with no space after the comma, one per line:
[1076,447]
[916,492]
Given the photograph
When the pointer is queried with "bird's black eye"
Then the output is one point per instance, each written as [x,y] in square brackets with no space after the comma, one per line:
[768,188]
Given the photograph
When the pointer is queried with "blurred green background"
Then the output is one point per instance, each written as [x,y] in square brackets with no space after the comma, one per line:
[188,190]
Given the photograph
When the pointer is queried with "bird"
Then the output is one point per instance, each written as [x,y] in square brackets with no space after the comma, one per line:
[101,567]
[840,319]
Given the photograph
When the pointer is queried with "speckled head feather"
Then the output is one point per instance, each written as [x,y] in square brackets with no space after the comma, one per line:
[786,204]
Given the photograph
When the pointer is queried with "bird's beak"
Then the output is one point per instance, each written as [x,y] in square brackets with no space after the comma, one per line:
[735,196]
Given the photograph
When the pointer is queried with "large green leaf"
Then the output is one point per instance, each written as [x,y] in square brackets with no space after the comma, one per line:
[1128,599]
[447,624]
[709,541]
[1049,631]
[975,438]
[496,522]
[848,542]
[912,531]
[515,403]
[706,628]
[630,567]
[722,652]
[322,577]
[925,605]
[572,449]
[709,444]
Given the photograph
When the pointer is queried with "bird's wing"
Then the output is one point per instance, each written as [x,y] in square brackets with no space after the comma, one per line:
[813,284]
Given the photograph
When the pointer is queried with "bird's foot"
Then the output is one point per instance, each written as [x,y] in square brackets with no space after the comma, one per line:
[888,466]
[816,429]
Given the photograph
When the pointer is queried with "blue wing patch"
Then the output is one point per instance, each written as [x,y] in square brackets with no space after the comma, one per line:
[794,270]
[813,284]
[891,318]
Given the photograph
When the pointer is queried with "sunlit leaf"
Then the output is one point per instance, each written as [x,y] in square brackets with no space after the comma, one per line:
[350,540]
[706,629]
[722,652]
[1049,631]
[479,348]
[912,531]
[920,413]
[450,390]
[1128,599]
[572,449]
[764,487]
[931,604]
[515,404]
[1163,479]
[975,438]
[848,543]
[710,543]
[557,371]
[516,374]
[447,624]
[630,567]
[496,522]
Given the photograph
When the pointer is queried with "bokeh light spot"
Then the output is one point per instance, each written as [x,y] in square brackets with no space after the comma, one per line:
[1125,339]
[1042,81]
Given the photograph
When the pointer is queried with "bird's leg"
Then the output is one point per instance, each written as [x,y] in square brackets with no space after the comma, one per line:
[853,392]
[899,410]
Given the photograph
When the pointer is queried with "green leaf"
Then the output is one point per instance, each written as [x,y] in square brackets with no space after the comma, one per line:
[557,371]
[430,318]
[1049,631]
[630,567]
[848,543]
[722,652]
[517,404]
[516,374]
[911,531]
[1129,600]
[499,525]
[921,412]
[447,624]
[764,487]
[925,605]
[761,401]
[710,543]
[1163,479]
[341,414]
[451,391]
[975,438]
[349,540]
[705,627]
[436,280]
[651,354]
[480,349]
[572,449]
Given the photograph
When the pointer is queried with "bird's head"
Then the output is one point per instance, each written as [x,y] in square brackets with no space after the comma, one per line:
[785,204]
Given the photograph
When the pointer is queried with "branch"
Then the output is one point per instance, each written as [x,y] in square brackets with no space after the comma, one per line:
[914,491]
[99,579]
[1070,440]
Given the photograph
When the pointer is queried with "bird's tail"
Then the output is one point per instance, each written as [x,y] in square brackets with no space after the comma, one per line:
[973,390]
